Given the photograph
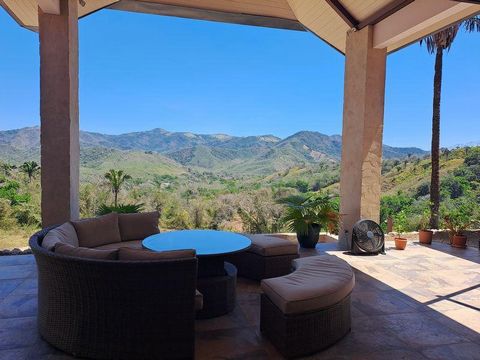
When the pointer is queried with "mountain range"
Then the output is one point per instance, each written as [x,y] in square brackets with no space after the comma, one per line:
[175,151]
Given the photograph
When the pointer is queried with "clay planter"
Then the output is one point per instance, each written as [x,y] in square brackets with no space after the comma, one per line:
[400,243]
[425,236]
[459,241]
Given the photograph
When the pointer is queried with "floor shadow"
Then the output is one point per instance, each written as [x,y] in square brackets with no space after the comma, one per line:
[449,296]
[387,321]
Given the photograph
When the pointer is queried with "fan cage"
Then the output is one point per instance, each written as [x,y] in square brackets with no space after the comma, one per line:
[368,237]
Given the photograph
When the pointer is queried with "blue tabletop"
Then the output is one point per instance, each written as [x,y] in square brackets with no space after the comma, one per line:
[205,242]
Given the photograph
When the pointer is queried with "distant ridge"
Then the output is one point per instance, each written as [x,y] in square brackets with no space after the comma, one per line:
[217,152]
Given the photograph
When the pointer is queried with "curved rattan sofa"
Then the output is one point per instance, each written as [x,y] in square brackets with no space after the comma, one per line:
[309,309]
[114,309]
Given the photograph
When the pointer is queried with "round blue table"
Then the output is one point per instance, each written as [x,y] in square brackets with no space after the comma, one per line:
[205,242]
[216,278]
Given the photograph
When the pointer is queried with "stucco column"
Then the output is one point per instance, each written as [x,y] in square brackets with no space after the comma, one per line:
[360,176]
[60,147]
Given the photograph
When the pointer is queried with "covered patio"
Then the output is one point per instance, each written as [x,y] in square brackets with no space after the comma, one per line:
[365,31]
[403,307]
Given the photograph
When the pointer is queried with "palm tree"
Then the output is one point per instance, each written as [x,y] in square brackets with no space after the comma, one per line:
[30,168]
[116,178]
[437,44]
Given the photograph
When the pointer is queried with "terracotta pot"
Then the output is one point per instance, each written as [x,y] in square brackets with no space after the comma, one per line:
[400,243]
[425,236]
[459,241]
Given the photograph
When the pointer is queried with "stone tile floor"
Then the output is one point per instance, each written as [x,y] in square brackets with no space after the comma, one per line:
[421,303]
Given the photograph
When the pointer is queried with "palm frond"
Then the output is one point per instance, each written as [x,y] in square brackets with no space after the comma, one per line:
[444,38]
[472,24]
[441,40]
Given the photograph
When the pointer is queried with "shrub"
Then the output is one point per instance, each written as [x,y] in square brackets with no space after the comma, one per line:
[459,215]
[422,190]
[120,208]
[198,215]
[400,222]
[258,213]
[9,190]
[454,187]
[27,214]
[393,204]
[473,157]
[7,220]
[179,219]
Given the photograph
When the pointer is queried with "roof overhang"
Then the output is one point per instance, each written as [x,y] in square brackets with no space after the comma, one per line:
[25,12]
[396,23]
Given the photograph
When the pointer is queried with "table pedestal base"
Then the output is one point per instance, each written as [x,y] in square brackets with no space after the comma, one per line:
[218,293]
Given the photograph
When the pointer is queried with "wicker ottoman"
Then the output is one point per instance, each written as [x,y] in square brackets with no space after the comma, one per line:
[309,309]
[267,257]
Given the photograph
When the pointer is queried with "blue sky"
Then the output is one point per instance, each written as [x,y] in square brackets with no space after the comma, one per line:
[139,72]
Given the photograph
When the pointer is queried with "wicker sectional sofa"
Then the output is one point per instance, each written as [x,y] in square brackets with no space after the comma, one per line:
[101,296]
[129,305]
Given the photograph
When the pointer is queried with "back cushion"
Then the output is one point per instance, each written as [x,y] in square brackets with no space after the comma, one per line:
[97,231]
[142,255]
[138,226]
[87,253]
[64,233]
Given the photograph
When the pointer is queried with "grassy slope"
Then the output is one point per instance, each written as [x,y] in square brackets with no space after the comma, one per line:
[413,175]
[137,164]
[408,178]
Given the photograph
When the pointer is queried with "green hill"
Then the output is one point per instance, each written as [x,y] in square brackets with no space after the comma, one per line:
[220,153]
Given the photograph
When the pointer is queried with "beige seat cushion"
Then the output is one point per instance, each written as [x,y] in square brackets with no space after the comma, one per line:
[198,300]
[148,255]
[64,233]
[271,246]
[97,231]
[138,226]
[134,244]
[66,249]
[317,283]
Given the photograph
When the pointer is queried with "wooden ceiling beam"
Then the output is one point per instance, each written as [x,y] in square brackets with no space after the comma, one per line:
[384,12]
[343,13]
[203,14]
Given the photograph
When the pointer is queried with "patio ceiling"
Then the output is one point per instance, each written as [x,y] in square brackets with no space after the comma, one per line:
[397,23]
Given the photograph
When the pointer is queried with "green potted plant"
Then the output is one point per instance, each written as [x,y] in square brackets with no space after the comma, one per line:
[400,225]
[425,236]
[307,215]
[457,217]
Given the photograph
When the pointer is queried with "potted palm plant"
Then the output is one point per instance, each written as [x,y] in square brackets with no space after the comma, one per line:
[307,215]
[425,236]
